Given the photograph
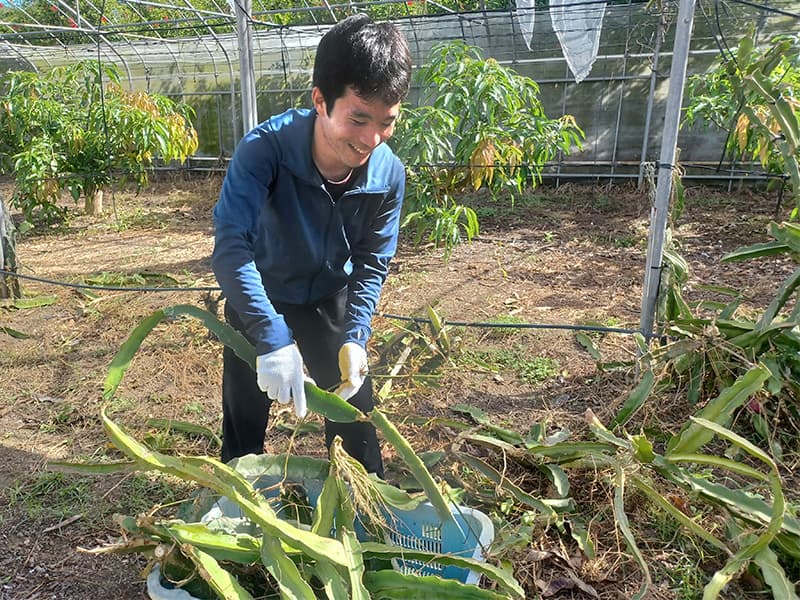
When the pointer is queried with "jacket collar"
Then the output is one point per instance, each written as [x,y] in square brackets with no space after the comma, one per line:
[297,159]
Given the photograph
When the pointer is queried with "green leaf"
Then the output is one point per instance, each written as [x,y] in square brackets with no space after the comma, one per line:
[599,430]
[774,575]
[432,457]
[395,497]
[331,406]
[220,580]
[747,551]
[122,360]
[333,582]
[784,293]
[635,399]
[745,506]
[391,585]
[719,410]
[642,449]
[565,452]
[503,483]
[558,478]
[618,507]
[283,569]
[678,515]
[588,344]
[238,548]
[480,417]
[718,462]
[501,577]
[33,302]
[414,463]
[119,466]
[14,333]
[224,332]
[324,513]
[184,427]
[580,533]
[225,481]
[735,438]
[289,467]
[756,251]
[356,556]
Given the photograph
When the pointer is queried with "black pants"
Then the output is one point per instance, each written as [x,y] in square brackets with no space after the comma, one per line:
[245,408]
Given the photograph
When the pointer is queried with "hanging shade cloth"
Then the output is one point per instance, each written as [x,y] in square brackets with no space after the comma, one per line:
[578,24]
[526,13]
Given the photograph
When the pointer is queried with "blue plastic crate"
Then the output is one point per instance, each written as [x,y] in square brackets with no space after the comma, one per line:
[422,529]
[467,535]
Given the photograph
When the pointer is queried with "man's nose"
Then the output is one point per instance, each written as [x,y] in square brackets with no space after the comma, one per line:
[372,138]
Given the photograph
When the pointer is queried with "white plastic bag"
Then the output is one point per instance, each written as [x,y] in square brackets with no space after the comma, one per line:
[578,25]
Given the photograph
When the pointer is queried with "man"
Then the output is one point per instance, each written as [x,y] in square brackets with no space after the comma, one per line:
[306,224]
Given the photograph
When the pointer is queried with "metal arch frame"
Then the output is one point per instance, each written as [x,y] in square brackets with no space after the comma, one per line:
[141,58]
[95,33]
[221,46]
[24,38]
[158,36]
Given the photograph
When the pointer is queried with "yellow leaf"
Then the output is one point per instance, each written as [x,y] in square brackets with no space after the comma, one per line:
[741,131]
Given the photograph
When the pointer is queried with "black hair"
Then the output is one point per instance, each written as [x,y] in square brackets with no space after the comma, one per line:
[371,57]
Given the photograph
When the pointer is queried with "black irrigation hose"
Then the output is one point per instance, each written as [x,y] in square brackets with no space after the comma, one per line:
[109,288]
[481,324]
[522,325]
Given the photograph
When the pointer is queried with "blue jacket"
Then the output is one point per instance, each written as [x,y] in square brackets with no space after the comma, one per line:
[280,237]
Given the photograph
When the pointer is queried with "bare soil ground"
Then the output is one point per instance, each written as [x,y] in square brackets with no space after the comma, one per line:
[572,255]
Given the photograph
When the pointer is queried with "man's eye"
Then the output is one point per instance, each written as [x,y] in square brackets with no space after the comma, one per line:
[359,123]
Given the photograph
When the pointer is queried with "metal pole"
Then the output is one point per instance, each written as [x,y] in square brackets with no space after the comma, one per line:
[9,285]
[660,210]
[247,80]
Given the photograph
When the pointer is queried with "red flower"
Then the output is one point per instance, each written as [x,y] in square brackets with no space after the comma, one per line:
[72,23]
[53,8]
[103,20]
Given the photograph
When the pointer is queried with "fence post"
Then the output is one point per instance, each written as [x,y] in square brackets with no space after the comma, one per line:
[9,285]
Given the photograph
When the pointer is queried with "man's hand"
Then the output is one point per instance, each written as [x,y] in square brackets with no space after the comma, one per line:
[353,367]
[280,375]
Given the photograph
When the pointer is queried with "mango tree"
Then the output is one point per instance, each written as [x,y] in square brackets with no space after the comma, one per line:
[479,125]
[754,94]
[76,128]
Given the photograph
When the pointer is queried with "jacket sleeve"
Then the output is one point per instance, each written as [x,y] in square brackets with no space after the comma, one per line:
[237,213]
[370,258]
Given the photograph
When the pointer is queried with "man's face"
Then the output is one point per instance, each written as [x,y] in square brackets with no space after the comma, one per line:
[345,137]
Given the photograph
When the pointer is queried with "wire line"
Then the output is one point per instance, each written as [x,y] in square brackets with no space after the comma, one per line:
[477,324]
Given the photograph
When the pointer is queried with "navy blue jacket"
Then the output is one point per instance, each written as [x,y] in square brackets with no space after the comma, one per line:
[280,237]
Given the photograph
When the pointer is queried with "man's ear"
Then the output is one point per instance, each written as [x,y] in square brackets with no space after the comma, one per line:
[319,101]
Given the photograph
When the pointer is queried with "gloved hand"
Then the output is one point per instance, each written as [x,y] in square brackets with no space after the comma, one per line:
[280,375]
[353,367]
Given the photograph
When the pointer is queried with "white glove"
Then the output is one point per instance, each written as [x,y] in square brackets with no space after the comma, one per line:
[353,367]
[280,375]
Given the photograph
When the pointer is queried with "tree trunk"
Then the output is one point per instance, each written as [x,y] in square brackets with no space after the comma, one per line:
[9,285]
[94,203]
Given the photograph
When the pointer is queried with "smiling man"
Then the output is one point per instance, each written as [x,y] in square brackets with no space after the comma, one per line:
[305,227]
